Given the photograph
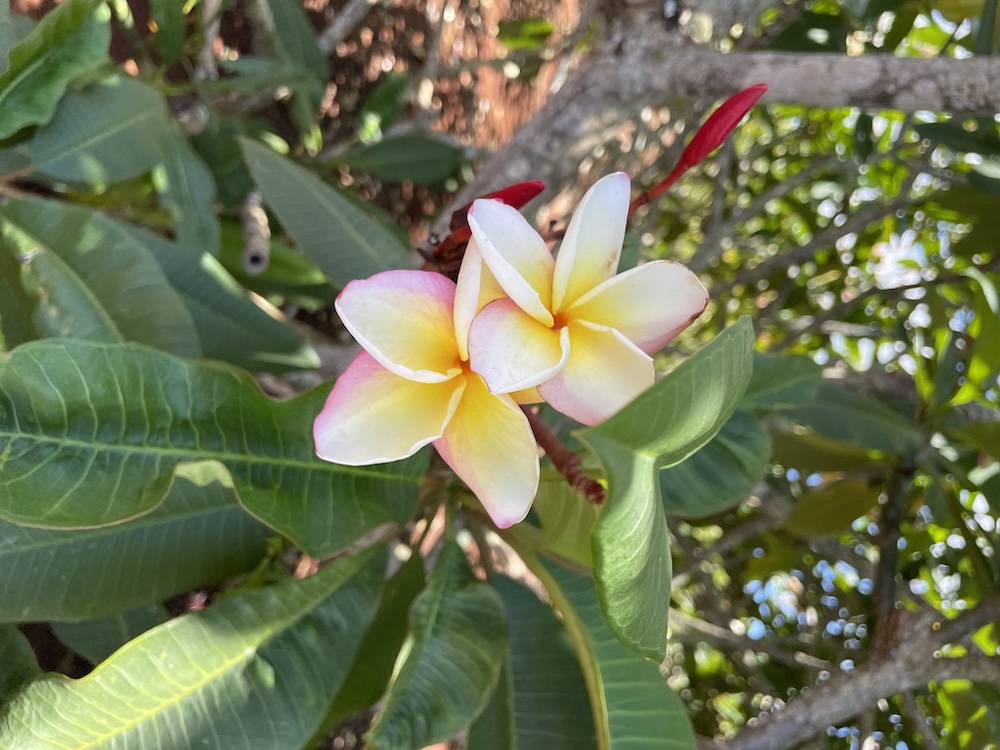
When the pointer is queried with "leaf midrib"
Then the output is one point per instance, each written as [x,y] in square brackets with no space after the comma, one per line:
[221,456]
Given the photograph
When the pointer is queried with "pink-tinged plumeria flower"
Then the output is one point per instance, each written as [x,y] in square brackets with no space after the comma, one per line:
[569,326]
[412,386]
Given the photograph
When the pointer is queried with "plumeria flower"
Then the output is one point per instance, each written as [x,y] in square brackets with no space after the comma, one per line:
[412,385]
[569,326]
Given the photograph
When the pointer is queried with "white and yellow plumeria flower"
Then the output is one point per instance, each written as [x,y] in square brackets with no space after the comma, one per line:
[412,386]
[569,326]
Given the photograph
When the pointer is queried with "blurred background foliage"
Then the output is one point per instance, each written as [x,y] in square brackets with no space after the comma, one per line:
[861,475]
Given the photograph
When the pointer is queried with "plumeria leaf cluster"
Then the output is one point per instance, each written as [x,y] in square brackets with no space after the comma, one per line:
[258,571]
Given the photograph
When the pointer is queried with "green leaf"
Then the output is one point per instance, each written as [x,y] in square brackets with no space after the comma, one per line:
[660,428]
[18,665]
[953,135]
[96,640]
[256,670]
[370,673]
[565,518]
[343,241]
[8,37]
[809,451]
[781,381]
[383,106]
[16,305]
[168,15]
[104,133]
[849,417]
[832,508]
[864,139]
[525,33]
[218,148]
[143,416]
[187,189]
[421,160]
[198,536]
[813,32]
[540,702]
[295,39]
[449,664]
[91,284]
[632,704]
[230,326]
[69,43]
[981,436]
[722,473]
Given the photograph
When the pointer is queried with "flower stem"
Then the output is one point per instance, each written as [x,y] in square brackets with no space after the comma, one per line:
[565,460]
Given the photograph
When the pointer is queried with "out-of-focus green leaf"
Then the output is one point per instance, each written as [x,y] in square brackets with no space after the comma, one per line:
[168,15]
[450,663]
[968,710]
[219,149]
[372,668]
[832,508]
[722,473]
[7,37]
[566,520]
[96,640]
[91,284]
[864,140]
[632,705]
[144,416]
[421,160]
[849,417]
[18,665]
[981,436]
[966,204]
[781,381]
[344,242]
[198,536]
[809,451]
[16,306]
[986,34]
[902,22]
[660,428]
[813,32]
[69,43]
[540,702]
[295,39]
[525,33]
[985,177]
[954,136]
[104,133]
[187,189]
[256,670]
[382,107]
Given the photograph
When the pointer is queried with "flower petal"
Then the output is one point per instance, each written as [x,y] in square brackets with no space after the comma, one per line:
[489,444]
[592,247]
[516,254]
[512,350]
[527,396]
[404,320]
[373,416]
[649,305]
[477,287]
[603,373]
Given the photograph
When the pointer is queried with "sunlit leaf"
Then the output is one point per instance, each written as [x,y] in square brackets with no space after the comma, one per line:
[256,670]
[143,416]
[660,428]
[450,662]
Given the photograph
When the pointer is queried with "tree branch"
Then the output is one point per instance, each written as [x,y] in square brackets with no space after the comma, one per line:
[909,663]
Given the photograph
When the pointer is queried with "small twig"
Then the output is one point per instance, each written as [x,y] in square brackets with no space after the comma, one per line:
[344,24]
[929,738]
[565,460]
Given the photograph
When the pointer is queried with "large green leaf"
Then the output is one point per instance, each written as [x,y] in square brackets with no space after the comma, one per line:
[16,305]
[722,473]
[256,670]
[199,535]
[229,325]
[660,428]
[372,669]
[565,520]
[70,42]
[104,133]
[343,241]
[226,323]
[540,702]
[632,704]
[843,415]
[92,285]
[8,37]
[419,159]
[95,640]
[832,508]
[187,189]
[91,434]
[18,664]
[781,381]
[449,664]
